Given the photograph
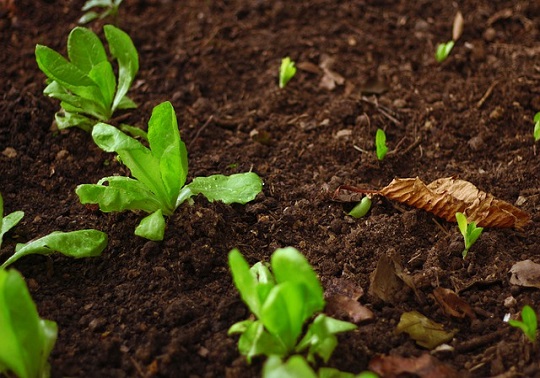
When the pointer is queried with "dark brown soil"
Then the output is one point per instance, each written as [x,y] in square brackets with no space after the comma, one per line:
[163,309]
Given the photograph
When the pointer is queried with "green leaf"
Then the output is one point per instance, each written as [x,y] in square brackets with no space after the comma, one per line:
[255,340]
[9,221]
[126,103]
[237,188]
[122,48]
[295,367]
[536,132]
[87,17]
[289,265]
[66,119]
[529,323]
[361,209]
[245,281]
[166,146]
[152,227]
[103,76]
[287,70]
[133,131]
[85,50]
[27,340]
[78,104]
[121,193]
[97,3]
[462,223]
[380,144]
[443,50]
[77,244]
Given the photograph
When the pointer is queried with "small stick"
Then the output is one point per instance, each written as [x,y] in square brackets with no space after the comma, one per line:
[200,130]
[487,94]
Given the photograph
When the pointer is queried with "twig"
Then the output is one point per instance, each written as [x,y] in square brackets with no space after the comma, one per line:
[200,130]
[382,109]
[487,94]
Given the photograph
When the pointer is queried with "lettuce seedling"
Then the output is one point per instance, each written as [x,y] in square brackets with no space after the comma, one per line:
[9,221]
[528,323]
[286,71]
[536,132]
[159,172]
[297,366]
[443,50]
[110,8]
[469,231]
[26,339]
[86,84]
[283,300]
[380,144]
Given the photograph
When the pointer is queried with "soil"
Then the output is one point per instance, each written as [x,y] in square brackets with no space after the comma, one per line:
[163,309]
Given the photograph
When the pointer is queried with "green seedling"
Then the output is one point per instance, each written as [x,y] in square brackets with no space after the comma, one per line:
[109,8]
[361,208]
[470,232]
[283,299]
[86,84]
[528,323]
[443,50]
[27,340]
[297,366]
[536,127]
[380,144]
[286,71]
[9,221]
[159,172]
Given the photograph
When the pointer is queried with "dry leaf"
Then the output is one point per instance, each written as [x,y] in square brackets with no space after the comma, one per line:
[447,196]
[452,304]
[457,28]
[525,273]
[342,301]
[308,67]
[330,78]
[423,330]
[425,366]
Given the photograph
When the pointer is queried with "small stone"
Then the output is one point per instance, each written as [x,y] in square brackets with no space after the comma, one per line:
[61,155]
[9,152]
[97,324]
[510,302]
[497,113]
[490,34]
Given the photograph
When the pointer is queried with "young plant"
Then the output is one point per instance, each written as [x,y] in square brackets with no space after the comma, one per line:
[469,231]
[443,50]
[528,323]
[9,221]
[27,340]
[536,132]
[361,208]
[380,144]
[297,366]
[283,300]
[86,84]
[286,72]
[159,172]
[110,8]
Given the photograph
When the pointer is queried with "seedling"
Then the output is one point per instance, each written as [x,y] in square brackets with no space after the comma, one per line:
[9,221]
[443,50]
[86,85]
[470,232]
[109,8]
[283,300]
[297,366]
[27,340]
[380,144]
[362,208]
[528,323]
[286,71]
[536,127]
[159,172]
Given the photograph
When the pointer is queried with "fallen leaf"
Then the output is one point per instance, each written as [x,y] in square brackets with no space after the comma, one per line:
[308,67]
[423,330]
[452,304]
[447,196]
[525,273]
[457,28]
[425,366]
[330,78]
[342,301]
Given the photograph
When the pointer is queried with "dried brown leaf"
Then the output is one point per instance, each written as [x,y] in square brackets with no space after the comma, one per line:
[452,304]
[423,330]
[457,28]
[525,273]
[447,196]
[342,297]
[425,366]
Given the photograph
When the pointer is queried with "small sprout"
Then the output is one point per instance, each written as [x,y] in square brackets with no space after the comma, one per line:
[286,71]
[469,231]
[443,50]
[537,127]
[380,144]
[110,8]
[361,209]
[528,323]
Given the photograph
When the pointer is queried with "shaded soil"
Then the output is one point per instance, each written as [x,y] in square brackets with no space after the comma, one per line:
[163,309]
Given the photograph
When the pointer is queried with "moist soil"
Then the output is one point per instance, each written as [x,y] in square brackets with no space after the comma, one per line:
[163,309]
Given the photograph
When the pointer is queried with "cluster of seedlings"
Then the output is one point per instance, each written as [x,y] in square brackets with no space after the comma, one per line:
[284,296]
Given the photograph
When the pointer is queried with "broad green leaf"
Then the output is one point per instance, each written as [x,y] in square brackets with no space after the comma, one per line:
[245,281]
[284,312]
[57,68]
[166,146]
[152,227]
[133,131]
[85,50]
[27,340]
[122,48]
[326,372]
[295,367]
[240,327]
[77,244]
[78,104]
[255,340]
[237,188]
[289,265]
[9,221]
[423,330]
[265,280]
[66,119]
[121,193]
[126,103]
[103,76]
